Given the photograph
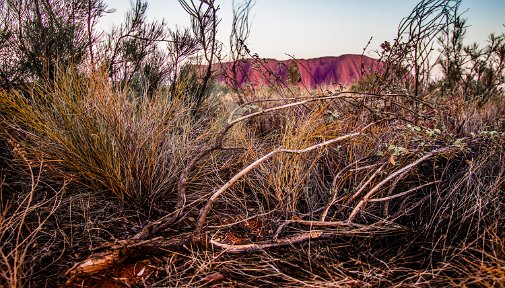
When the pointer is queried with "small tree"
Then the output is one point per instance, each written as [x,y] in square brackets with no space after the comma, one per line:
[452,58]
[485,76]
[131,52]
[37,37]
[476,73]
[405,63]
[238,49]
[204,24]
[293,75]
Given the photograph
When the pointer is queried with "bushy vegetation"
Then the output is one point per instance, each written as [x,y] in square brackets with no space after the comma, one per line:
[129,165]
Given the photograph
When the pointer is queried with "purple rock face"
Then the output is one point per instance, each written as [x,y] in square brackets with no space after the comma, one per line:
[311,73]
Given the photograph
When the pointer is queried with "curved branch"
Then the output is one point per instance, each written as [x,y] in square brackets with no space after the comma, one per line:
[333,189]
[387,179]
[387,198]
[213,198]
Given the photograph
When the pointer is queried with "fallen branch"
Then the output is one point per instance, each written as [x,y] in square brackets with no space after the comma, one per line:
[118,252]
[266,245]
[140,243]
[403,170]
[167,220]
[213,198]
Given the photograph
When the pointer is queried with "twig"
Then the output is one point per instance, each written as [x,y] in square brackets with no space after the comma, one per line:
[305,100]
[367,182]
[333,188]
[403,193]
[312,223]
[242,220]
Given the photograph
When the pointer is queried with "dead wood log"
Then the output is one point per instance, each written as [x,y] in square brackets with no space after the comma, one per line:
[115,253]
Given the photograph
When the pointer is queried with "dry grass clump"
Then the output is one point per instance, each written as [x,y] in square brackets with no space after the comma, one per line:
[108,140]
[117,154]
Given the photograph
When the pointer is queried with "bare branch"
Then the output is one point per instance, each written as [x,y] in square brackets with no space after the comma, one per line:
[213,198]
[403,193]
[299,238]
[387,179]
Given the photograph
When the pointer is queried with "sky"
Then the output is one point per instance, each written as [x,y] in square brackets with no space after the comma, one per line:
[315,28]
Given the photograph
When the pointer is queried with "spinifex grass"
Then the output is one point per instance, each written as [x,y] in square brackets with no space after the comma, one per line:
[109,140]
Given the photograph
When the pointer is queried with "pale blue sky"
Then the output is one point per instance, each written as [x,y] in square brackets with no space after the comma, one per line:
[314,28]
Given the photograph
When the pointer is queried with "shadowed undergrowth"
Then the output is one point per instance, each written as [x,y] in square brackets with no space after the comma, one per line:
[409,199]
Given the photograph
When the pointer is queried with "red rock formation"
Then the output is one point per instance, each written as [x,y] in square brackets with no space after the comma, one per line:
[311,73]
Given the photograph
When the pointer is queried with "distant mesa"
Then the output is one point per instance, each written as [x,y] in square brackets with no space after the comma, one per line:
[310,73]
